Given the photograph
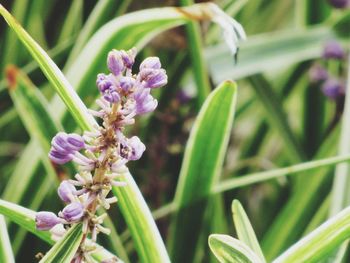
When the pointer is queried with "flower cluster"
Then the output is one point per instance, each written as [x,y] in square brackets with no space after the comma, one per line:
[332,87]
[101,154]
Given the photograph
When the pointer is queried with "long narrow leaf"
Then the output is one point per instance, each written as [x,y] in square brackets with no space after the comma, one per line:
[320,242]
[6,254]
[201,167]
[230,250]
[244,229]
[52,72]
[65,249]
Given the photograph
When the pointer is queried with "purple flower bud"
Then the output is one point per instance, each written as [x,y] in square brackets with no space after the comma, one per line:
[151,62]
[333,89]
[144,101]
[46,220]
[66,191]
[317,74]
[59,157]
[115,62]
[108,88]
[339,3]
[73,212]
[128,57]
[333,50]
[153,78]
[127,83]
[132,149]
[75,142]
[63,145]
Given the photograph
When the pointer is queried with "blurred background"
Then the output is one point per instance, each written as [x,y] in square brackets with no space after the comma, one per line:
[291,74]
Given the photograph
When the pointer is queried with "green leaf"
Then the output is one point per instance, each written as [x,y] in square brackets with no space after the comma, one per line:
[6,254]
[23,217]
[65,249]
[52,72]
[26,219]
[323,240]
[244,229]
[201,167]
[230,250]
[258,177]
[196,53]
[268,51]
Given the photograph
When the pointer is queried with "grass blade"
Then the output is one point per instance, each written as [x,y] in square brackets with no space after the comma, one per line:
[52,72]
[229,250]
[65,249]
[253,178]
[6,254]
[197,60]
[201,168]
[244,229]
[320,242]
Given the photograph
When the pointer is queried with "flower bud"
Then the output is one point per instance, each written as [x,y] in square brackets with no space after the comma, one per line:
[75,142]
[153,78]
[66,191]
[132,149]
[127,83]
[150,62]
[115,62]
[128,57]
[46,220]
[59,157]
[333,89]
[333,50]
[317,74]
[144,101]
[73,212]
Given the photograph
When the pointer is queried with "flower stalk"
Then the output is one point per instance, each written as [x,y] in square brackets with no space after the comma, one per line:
[101,154]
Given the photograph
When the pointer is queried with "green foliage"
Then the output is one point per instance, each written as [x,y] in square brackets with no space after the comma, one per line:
[286,159]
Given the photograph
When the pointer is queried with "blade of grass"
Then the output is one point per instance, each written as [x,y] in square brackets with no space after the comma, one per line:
[340,197]
[65,249]
[6,254]
[196,54]
[200,169]
[253,178]
[244,229]
[320,242]
[52,72]
[228,249]
[276,115]
[269,51]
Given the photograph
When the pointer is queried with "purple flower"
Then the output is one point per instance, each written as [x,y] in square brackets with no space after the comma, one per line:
[115,62]
[64,145]
[144,101]
[132,149]
[333,50]
[66,191]
[73,212]
[333,89]
[151,62]
[107,87]
[127,83]
[128,57]
[339,3]
[317,74]
[46,220]
[153,78]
